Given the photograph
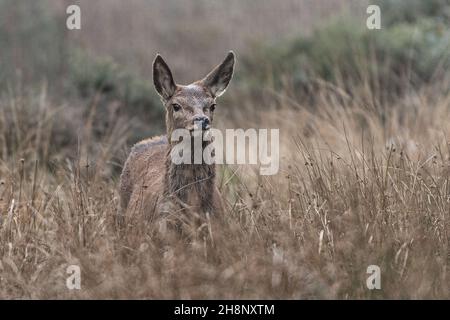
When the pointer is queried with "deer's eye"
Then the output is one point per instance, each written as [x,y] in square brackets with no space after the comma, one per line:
[176,107]
[212,107]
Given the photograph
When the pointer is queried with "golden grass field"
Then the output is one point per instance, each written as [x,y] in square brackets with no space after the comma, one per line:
[354,189]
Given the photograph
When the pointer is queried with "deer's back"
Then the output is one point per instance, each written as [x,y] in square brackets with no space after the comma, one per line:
[143,173]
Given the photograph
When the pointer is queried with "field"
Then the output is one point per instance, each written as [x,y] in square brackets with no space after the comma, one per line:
[364,149]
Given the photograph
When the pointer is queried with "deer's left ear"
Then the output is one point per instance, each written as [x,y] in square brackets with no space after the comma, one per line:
[217,80]
[163,79]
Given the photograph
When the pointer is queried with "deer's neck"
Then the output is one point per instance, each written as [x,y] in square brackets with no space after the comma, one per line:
[193,184]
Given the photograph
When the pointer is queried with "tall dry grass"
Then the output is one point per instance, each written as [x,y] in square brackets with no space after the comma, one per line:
[354,189]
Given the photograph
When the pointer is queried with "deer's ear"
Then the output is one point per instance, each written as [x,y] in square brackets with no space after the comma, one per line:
[162,78]
[217,80]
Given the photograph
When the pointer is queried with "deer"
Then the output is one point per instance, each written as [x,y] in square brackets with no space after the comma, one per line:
[150,182]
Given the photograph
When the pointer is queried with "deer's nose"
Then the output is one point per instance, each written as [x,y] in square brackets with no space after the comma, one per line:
[203,120]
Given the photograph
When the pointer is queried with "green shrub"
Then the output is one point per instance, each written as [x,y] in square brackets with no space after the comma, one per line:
[36,50]
[412,11]
[91,76]
[32,41]
[346,53]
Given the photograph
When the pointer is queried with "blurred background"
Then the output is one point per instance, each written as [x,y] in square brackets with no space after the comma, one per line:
[100,76]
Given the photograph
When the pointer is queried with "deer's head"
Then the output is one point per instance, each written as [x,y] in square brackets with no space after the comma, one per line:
[193,104]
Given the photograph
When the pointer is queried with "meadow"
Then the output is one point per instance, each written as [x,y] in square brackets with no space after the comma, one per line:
[364,149]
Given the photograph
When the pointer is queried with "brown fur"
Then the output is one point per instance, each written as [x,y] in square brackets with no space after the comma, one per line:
[150,183]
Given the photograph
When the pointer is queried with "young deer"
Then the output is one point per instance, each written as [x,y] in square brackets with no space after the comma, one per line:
[150,181]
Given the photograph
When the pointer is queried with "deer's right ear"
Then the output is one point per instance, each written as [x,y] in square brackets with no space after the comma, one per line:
[217,80]
[162,78]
